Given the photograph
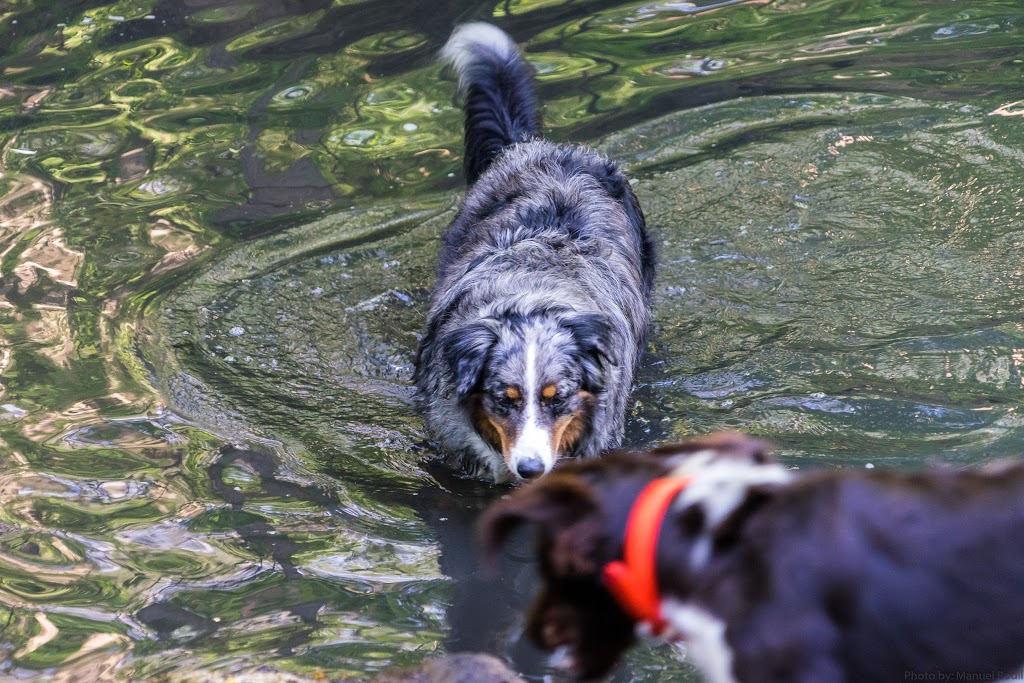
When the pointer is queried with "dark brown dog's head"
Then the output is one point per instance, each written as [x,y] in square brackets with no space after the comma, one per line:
[580,512]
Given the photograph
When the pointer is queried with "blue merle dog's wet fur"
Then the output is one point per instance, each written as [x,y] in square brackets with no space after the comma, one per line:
[546,269]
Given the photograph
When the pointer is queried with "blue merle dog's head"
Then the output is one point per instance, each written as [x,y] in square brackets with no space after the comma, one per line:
[531,382]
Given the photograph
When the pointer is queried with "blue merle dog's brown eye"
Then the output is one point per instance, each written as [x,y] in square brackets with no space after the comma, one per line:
[508,399]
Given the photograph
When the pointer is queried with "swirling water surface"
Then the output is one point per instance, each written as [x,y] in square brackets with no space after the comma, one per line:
[218,226]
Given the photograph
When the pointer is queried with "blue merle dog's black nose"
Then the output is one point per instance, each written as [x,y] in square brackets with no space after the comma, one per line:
[530,468]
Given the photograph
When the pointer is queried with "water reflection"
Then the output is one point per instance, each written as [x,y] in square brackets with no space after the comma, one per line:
[218,225]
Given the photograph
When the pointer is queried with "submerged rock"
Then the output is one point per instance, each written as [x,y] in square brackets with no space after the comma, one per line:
[462,667]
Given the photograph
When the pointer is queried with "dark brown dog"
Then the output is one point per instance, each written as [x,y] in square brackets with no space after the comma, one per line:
[772,575]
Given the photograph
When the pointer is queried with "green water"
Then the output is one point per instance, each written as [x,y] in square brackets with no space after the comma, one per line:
[218,225]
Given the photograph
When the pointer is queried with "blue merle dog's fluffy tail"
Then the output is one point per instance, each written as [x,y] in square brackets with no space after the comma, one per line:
[497,86]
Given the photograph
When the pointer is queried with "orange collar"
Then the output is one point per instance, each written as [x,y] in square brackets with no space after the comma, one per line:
[633,580]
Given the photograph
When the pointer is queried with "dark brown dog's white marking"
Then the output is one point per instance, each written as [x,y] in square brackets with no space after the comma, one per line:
[769,575]
[542,299]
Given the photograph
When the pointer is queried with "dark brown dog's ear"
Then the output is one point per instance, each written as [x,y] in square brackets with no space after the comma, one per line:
[567,516]
[724,444]
[729,531]
[745,447]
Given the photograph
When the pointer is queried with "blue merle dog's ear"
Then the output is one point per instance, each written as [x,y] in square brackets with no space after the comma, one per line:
[467,350]
[593,335]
